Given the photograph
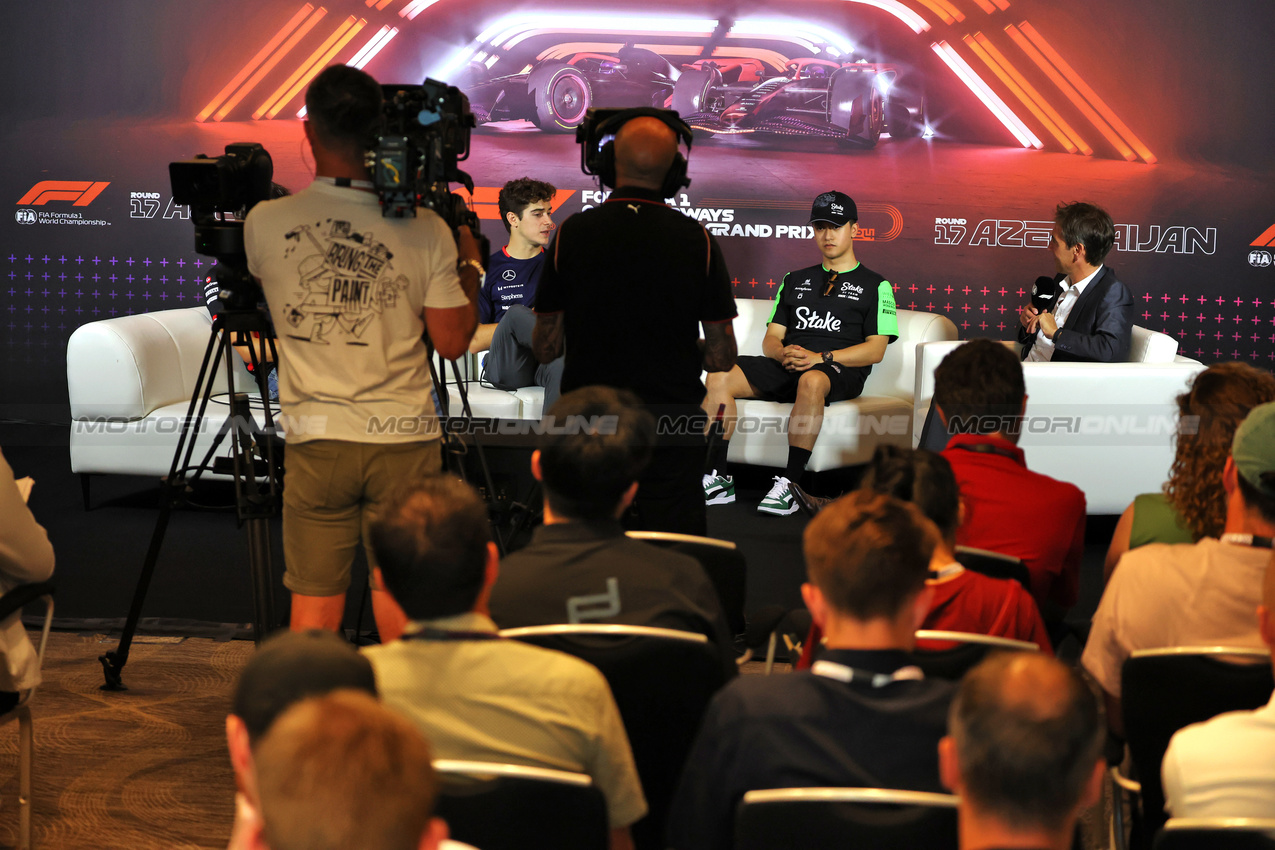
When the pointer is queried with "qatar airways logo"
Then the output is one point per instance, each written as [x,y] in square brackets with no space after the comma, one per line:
[813,320]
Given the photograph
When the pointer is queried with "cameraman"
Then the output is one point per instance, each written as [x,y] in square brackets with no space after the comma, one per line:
[351,294]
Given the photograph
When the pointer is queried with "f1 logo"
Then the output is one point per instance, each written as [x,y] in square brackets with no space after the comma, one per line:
[80,192]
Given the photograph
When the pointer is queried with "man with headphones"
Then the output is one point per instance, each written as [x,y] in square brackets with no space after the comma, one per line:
[625,289]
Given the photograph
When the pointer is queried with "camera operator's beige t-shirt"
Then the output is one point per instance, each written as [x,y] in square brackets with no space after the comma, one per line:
[347,290]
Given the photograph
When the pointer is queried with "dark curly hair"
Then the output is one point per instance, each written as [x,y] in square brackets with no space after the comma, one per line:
[517,195]
[1208,413]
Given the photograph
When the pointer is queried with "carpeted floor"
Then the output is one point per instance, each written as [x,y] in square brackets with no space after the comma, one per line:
[141,768]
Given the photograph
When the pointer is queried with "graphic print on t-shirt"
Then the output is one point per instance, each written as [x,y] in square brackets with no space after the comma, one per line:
[345,283]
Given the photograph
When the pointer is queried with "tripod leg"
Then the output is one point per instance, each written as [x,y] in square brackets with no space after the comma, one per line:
[262,579]
[113,662]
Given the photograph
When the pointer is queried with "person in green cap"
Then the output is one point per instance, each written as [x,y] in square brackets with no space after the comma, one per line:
[1191,594]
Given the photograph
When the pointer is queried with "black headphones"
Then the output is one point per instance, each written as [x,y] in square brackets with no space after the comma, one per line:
[605,163]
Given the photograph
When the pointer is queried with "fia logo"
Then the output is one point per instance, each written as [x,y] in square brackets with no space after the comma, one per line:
[25,216]
[1259,259]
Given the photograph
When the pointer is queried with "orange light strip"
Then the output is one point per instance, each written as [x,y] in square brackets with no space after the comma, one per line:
[1020,94]
[1072,95]
[302,68]
[320,59]
[951,7]
[985,6]
[1088,93]
[1001,4]
[942,10]
[383,4]
[255,61]
[368,3]
[1035,95]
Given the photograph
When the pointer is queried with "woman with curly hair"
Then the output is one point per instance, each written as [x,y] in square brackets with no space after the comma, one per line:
[1192,504]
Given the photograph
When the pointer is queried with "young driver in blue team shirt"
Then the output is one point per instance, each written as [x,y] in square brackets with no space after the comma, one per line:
[504,303]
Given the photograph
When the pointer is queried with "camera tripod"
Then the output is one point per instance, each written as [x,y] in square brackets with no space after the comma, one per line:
[257,480]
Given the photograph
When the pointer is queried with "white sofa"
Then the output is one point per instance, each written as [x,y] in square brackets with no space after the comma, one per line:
[851,429]
[130,381]
[1105,427]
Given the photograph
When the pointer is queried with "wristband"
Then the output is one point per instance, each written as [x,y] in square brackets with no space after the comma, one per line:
[470,261]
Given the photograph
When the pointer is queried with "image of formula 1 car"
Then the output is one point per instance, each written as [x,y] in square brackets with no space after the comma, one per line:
[556,93]
[853,102]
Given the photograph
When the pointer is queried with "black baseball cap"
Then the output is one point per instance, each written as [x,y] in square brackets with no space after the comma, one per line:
[836,208]
[291,666]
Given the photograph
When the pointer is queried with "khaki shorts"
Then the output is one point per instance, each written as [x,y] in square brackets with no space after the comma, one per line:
[333,492]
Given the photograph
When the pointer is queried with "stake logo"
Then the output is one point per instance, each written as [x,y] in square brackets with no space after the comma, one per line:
[81,193]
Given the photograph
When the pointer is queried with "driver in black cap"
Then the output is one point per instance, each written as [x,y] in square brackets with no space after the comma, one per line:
[831,323]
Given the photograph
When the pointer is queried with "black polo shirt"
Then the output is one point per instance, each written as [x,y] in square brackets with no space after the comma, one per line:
[825,311]
[580,572]
[803,730]
[634,279]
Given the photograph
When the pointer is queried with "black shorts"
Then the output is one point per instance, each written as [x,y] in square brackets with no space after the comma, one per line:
[775,383]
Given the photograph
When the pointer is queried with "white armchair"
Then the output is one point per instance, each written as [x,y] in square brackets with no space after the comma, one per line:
[130,381]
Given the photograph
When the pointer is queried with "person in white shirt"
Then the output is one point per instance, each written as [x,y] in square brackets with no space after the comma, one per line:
[351,294]
[1092,319]
[1225,767]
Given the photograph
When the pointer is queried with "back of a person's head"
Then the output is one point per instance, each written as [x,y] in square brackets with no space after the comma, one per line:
[342,772]
[1217,401]
[291,666]
[431,546]
[343,106]
[979,387]
[918,476]
[869,554]
[598,443]
[1253,452]
[1028,732]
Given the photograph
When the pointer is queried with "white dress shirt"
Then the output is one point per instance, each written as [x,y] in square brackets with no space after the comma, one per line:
[1043,350]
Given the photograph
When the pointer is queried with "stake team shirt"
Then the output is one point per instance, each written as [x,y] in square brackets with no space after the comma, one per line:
[510,281]
[860,305]
[347,289]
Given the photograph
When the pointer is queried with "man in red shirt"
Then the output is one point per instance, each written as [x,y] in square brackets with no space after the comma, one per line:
[980,397]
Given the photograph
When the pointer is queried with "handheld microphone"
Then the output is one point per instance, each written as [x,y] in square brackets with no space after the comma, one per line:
[1045,294]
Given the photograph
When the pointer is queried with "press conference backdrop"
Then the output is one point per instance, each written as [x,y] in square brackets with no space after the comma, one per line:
[993,112]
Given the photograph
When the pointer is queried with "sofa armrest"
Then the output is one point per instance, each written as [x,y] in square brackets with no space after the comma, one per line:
[124,368]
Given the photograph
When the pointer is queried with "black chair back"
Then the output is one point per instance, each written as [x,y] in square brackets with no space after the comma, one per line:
[1217,834]
[993,564]
[721,560]
[953,663]
[510,807]
[1163,690]
[662,681]
[840,818]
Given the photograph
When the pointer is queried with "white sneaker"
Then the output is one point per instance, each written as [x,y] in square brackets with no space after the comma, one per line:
[718,489]
[779,501]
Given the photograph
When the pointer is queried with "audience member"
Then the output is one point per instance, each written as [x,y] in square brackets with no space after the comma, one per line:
[980,397]
[1191,594]
[863,715]
[1024,753]
[1225,767]
[964,601]
[287,668]
[340,772]
[26,556]
[1192,504]
[579,566]
[475,696]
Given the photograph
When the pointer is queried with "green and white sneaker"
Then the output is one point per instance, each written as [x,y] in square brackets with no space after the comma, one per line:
[718,489]
[779,501]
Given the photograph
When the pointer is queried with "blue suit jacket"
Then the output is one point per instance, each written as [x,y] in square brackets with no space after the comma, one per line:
[1099,327]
